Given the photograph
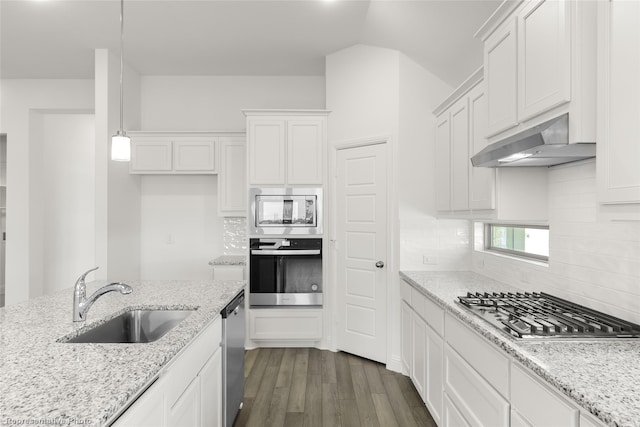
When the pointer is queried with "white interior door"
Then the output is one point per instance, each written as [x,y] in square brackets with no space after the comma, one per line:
[361,245]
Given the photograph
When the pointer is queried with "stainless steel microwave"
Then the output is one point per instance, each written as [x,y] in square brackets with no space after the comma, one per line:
[285,211]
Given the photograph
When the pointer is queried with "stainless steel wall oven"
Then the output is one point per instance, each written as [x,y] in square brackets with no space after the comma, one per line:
[285,272]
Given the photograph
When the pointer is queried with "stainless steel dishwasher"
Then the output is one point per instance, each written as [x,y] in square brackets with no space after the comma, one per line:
[232,359]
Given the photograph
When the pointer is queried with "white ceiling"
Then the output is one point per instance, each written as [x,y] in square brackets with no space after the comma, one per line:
[56,38]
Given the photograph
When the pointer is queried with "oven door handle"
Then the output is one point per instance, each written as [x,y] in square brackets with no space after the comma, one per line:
[285,252]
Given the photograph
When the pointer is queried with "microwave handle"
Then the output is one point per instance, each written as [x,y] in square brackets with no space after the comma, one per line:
[285,252]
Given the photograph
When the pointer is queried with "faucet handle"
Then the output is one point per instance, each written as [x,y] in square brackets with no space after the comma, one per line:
[82,277]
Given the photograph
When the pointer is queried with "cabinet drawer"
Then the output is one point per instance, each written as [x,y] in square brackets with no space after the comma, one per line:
[480,354]
[418,301]
[184,369]
[478,402]
[292,324]
[528,396]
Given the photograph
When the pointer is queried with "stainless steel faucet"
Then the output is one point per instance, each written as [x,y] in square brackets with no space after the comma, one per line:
[81,303]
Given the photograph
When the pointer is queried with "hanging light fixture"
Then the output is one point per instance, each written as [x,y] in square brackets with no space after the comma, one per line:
[120,142]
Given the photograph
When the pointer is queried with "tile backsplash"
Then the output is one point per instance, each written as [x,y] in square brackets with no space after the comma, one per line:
[431,244]
[592,261]
[235,235]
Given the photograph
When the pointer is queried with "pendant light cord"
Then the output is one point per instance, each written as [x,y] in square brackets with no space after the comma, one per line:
[121,62]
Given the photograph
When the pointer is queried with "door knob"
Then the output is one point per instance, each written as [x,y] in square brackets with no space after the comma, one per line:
[379,264]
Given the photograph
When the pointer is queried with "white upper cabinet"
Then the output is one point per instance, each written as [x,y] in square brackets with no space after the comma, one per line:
[286,147]
[461,126]
[618,150]
[481,180]
[172,153]
[443,162]
[500,59]
[540,61]
[266,151]
[460,155]
[544,57]
[232,177]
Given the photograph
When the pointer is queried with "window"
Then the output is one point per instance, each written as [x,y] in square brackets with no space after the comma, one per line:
[527,241]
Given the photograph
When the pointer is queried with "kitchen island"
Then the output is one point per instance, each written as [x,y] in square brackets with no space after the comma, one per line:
[600,376]
[47,382]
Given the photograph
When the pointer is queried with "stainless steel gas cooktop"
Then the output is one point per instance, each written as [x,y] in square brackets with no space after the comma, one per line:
[540,315]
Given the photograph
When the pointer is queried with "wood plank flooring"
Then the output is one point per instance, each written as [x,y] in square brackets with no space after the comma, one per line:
[307,387]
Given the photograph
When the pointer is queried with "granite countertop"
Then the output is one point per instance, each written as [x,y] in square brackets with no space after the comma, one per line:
[43,381]
[603,377]
[229,260]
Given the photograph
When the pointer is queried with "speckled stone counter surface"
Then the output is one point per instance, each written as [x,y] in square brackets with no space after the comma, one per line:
[602,377]
[46,382]
[229,260]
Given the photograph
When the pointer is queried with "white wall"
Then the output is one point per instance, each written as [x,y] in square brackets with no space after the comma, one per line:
[117,192]
[185,207]
[181,231]
[592,261]
[214,102]
[68,207]
[19,98]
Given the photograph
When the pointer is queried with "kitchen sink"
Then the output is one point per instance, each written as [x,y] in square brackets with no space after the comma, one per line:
[134,326]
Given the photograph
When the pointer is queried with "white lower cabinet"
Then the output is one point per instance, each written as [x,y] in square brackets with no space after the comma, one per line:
[451,416]
[475,398]
[528,395]
[189,390]
[285,324]
[466,381]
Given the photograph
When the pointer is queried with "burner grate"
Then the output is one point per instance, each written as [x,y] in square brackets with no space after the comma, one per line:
[538,314]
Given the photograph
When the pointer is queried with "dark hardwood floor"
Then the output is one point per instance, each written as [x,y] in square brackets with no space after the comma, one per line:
[300,387]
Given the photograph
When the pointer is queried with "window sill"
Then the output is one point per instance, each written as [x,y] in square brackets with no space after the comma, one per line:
[537,263]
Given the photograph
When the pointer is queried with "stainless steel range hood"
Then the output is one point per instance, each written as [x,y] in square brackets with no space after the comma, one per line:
[544,145]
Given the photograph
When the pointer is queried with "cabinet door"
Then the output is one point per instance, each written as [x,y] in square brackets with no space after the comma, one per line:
[434,367]
[194,155]
[211,391]
[149,155]
[443,163]
[406,319]
[500,68]
[186,411]
[544,57]
[460,155]
[481,180]
[528,395]
[418,353]
[451,416]
[618,101]
[232,180]
[305,151]
[148,410]
[266,152]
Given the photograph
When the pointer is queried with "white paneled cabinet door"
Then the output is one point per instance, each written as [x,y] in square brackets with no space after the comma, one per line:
[418,353]
[618,101]
[186,411]
[481,180]
[151,155]
[361,250]
[451,416]
[406,319]
[211,391]
[500,68]
[305,151]
[434,367]
[544,56]
[194,155]
[460,155]
[232,180]
[148,410]
[443,163]
[266,152]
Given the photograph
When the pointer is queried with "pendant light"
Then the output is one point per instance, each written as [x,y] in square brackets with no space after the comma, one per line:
[120,142]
